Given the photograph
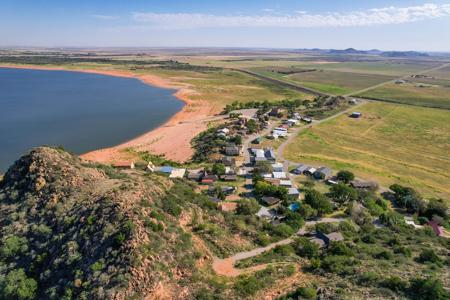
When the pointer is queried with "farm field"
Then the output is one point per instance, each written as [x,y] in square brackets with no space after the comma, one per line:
[423,93]
[443,73]
[390,143]
[338,83]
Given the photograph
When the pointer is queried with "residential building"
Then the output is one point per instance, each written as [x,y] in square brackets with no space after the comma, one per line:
[270,201]
[300,169]
[323,173]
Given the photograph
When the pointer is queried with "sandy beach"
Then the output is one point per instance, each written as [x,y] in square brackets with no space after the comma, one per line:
[171,138]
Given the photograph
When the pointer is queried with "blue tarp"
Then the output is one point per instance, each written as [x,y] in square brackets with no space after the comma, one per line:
[166,169]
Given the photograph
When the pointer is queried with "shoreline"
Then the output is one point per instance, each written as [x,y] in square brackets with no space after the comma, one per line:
[171,138]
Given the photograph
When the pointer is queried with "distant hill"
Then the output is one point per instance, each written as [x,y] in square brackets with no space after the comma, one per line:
[353,51]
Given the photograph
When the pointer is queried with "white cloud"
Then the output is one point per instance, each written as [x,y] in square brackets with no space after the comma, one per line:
[268,10]
[377,16]
[105,17]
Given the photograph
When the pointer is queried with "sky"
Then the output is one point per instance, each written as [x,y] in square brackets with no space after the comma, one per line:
[326,24]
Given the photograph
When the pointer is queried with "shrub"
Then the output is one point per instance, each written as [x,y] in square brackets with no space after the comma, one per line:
[307,292]
[340,248]
[283,230]
[247,207]
[306,248]
[368,278]
[428,255]
[384,254]
[170,206]
[427,289]
[395,284]
[337,264]
[403,250]
[248,286]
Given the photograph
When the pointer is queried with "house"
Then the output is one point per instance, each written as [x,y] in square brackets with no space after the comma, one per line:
[230,171]
[330,237]
[277,167]
[209,179]
[291,122]
[229,161]
[286,183]
[227,190]
[258,153]
[177,173]
[276,112]
[276,133]
[323,173]
[232,150]
[309,171]
[355,115]
[307,119]
[224,131]
[264,212]
[358,184]
[242,172]
[279,175]
[195,175]
[228,177]
[269,201]
[436,228]
[300,169]
[293,193]
[281,128]
[124,165]
[269,154]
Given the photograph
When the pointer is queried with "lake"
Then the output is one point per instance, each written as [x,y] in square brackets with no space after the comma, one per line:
[79,111]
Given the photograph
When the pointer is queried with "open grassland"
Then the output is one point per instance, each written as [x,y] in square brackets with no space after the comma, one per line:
[430,93]
[383,67]
[338,83]
[443,73]
[390,143]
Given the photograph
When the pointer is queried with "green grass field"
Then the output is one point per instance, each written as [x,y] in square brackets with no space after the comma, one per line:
[338,83]
[431,94]
[391,143]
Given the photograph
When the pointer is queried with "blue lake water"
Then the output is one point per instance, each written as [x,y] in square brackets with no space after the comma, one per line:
[79,111]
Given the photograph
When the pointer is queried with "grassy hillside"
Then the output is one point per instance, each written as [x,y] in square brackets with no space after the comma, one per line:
[390,143]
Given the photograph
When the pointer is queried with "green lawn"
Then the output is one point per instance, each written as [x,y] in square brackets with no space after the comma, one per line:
[390,144]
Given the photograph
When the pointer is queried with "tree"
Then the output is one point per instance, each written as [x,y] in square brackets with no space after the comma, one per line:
[218,169]
[247,207]
[406,197]
[252,126]
[319,202]
[391,218]
[305,248]
[436,207]
[16,285]
[263,167]
[342,193]
[427,289]
[13,245]
[345,176]
[307,212]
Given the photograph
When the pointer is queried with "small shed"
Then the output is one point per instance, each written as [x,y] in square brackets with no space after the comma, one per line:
[309,171]
[124,165]
[279,175]
[229,161]
[286,183]
[355,115]
[293,193]
[270,154]
[228,177]
[300,169]
[358,184]
[277,167]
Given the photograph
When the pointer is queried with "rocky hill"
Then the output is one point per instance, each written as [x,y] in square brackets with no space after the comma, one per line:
[70,230]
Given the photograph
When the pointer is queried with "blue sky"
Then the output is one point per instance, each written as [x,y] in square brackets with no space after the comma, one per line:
[387,25]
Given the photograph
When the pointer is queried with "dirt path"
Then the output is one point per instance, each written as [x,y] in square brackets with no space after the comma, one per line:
[225,266]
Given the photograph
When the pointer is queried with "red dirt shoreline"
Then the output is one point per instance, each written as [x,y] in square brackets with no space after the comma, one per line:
[171,139]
